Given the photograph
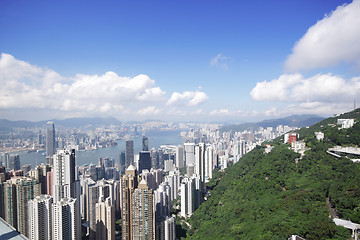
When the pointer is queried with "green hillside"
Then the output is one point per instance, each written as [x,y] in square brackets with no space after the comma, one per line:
[271,197]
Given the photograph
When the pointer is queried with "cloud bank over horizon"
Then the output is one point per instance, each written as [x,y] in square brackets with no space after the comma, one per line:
[25,86]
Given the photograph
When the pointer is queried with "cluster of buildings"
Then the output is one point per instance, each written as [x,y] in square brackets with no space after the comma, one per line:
[59,200]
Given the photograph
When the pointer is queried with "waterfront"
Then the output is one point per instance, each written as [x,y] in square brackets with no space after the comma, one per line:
[156,139]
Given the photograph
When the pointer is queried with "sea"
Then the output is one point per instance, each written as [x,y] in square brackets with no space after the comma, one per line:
[156,139]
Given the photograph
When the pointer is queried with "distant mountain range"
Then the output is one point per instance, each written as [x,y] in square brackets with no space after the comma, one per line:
[7,125]
[292,121]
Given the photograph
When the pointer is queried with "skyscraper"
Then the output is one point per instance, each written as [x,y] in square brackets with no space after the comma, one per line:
[17,192]
[64,185]
[50,141]
[13,162]
[40,217]
[145,143]
[144,161]
[122,162]
[129,154]
[179,157]
[66,219]
[128,184]
[143,212]
[189,153]
[105,219]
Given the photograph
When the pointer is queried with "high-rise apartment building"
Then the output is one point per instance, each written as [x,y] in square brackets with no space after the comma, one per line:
[64,184]
[189,149]
[179,162]
[105,219]
[100,190]
[40,217]
[66,219]
[143,212]
[129,182]
[187,197]
[129,152]
[50,141]
[17,192]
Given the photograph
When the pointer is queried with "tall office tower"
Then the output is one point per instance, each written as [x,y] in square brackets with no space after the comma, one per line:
[179,157]
[105,219]
[129,182]
[4,159]
[129,154]
[17,192]
[169,226]
[50,142]
[40,219]
[187,197]
[64,184]
[208,162]
[154,159]
[122,163]
[189,149]
[145,144]
[143,214]
[144,161]
[13,162]
[39,139]
[66,219]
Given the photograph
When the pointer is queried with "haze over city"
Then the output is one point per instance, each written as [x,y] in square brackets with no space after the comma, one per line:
[193,61]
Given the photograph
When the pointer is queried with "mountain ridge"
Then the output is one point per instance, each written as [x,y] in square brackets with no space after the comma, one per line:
[279,194]
[292,121]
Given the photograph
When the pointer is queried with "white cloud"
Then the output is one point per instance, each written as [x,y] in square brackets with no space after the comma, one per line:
[220,112]
[319,108]
[330,41]
[224,112]
[221,61]
[150,110]
[296,88]
[188,98]
[27,86]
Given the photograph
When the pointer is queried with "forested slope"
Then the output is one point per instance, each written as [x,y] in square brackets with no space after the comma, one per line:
[271,197]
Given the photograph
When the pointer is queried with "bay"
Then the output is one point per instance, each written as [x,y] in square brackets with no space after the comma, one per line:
[156,139]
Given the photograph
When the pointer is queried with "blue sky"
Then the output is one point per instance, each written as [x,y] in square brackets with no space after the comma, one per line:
[184,60]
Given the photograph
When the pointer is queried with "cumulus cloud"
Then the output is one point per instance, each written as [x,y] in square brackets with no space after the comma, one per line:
[27,86]
[188,98]
[297,88]
[221,61]
[332,40]
[224,112]
[150,110]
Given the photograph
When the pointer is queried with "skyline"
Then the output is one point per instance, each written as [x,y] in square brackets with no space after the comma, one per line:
[203,61]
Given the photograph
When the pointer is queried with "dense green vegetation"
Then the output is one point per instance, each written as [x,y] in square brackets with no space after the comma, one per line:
[272,197]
